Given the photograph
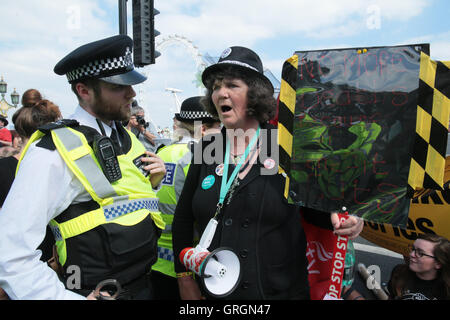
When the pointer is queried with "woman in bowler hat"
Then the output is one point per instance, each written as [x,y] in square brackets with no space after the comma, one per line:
[255,220]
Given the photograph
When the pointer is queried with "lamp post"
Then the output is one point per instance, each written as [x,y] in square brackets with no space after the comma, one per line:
[4,105]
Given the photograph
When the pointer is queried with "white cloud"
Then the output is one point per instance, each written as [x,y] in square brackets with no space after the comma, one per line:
[247,22]
[439,44]
[440,50]
[34,35]
[44,20]
[176,68]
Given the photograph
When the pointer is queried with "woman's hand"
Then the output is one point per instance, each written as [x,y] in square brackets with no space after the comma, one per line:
[189,289]
[351,227]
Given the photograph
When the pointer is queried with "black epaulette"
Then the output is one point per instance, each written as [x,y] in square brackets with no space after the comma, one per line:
[46,128]
[46,141]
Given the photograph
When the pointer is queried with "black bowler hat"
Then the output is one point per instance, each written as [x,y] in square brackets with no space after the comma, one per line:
[108,59]
[241,58]
[191,110]
[2,118]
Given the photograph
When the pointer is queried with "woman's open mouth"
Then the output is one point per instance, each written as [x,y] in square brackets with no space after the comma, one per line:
[225,109]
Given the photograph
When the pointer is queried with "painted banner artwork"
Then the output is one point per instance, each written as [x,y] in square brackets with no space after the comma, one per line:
[353,130]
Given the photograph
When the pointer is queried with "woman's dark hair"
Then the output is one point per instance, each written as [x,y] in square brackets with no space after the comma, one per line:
[261,103]
[31,97]
[27,119]
[442,256]
[402,275]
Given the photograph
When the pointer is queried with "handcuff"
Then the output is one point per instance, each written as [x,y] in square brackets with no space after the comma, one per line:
[107,283]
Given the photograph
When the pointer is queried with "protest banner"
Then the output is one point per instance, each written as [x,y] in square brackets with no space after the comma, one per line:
[349,124]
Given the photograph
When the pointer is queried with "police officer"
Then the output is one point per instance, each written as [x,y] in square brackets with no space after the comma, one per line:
[190,124]
[88,178]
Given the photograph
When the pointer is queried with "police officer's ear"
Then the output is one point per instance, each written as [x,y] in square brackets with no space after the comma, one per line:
[84,92]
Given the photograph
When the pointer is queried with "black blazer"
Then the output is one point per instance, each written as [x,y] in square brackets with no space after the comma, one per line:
[258,224]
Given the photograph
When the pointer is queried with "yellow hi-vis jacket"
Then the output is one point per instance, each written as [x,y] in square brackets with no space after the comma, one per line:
[177,158]
[116,236]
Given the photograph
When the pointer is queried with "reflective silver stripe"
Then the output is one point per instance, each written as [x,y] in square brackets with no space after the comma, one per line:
[86,164]
[166,208]
[124,206]
[448,145]
[180,176]
[169,208]
[178,184]
[185,160]
[167,229]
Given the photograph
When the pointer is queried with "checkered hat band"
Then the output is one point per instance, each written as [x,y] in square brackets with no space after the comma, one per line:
[242,64]
[56,233]
[98,67]
[192,115]
[116,210]
[166,254]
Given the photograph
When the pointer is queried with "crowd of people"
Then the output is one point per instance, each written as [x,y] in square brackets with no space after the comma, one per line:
[106,195]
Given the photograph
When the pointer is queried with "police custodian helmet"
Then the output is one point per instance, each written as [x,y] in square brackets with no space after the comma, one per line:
[192,110]
[109,60]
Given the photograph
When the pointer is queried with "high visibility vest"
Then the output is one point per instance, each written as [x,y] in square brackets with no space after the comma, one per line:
[114,235]
[177,159]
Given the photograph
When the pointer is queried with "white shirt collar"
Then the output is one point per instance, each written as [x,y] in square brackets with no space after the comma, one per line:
[186,139]
[86,119]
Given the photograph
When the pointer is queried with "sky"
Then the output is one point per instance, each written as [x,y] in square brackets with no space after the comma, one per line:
[35,35]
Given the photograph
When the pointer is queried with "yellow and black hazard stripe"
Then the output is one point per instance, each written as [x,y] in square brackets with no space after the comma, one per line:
[433,111]
[286,109]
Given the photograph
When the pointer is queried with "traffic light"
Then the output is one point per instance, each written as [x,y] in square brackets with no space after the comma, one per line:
[144,32]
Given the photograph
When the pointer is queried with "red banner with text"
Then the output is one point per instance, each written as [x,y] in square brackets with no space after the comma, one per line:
[326,259]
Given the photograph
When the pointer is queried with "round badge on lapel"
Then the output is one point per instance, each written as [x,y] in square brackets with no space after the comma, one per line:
[219,170]
[208,182]
[269,164]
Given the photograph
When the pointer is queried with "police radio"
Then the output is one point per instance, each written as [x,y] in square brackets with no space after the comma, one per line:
[140,164]
[106,156]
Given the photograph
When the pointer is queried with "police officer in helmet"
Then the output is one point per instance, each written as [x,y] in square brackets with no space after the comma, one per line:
[190,124]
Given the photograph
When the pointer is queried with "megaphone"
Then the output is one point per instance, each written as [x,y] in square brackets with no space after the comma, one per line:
[219,271]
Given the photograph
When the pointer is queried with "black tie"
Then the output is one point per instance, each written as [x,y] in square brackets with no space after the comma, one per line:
[115,139]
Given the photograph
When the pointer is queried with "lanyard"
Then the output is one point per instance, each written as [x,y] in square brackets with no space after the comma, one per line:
[226,184]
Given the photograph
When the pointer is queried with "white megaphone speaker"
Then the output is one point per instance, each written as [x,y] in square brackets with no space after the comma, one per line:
[220,270]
